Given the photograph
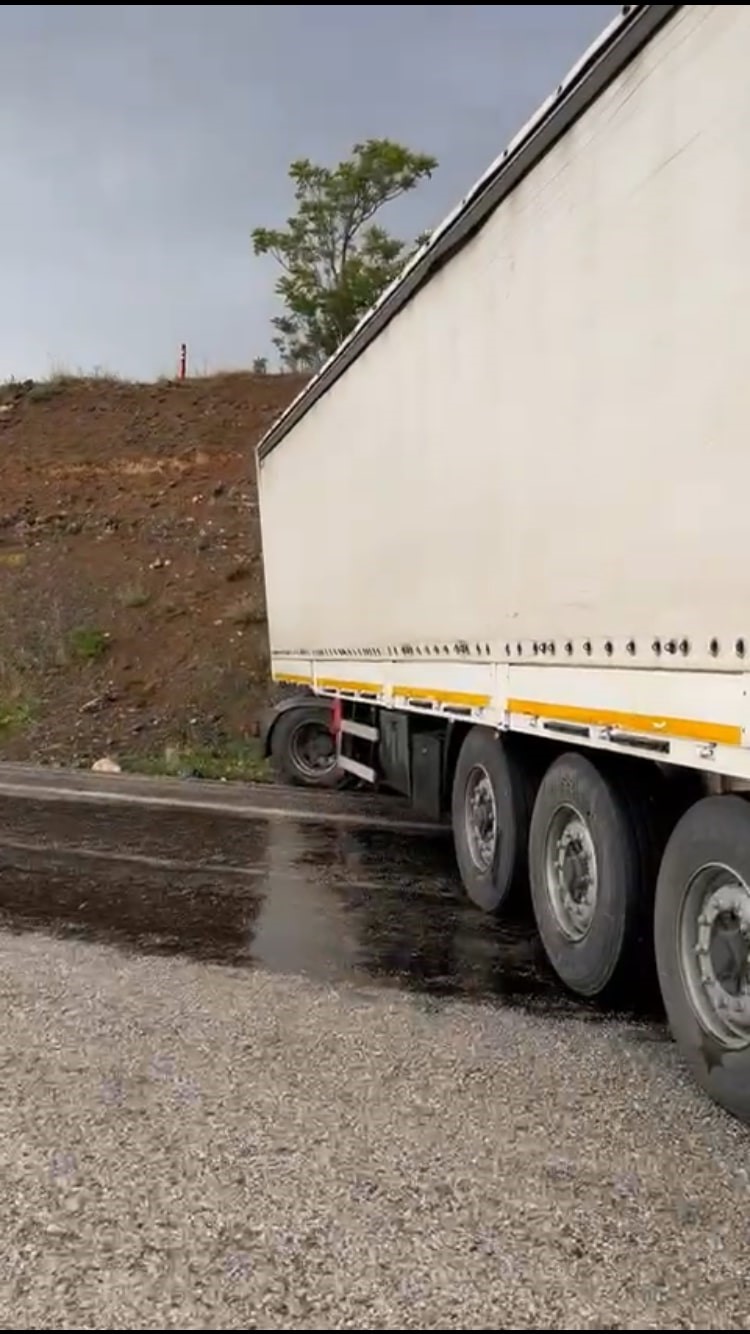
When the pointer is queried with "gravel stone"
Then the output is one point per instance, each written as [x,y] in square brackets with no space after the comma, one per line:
[191,1147]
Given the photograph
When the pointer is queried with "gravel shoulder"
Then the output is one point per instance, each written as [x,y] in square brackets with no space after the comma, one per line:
[186,1147]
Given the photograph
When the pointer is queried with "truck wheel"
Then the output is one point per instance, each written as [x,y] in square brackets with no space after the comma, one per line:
[585,868]
[303,750]
[702,938]
[491,806]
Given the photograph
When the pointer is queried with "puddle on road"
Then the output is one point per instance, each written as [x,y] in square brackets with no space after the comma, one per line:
[324,900]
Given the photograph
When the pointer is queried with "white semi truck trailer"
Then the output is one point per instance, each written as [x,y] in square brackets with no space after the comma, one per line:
[531,603]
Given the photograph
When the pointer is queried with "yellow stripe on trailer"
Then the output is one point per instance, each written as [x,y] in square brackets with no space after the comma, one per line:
[464,698]
[348,687]
[684,729]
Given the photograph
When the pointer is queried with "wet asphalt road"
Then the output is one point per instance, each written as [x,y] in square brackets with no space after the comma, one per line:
[265,1068]
[326,900]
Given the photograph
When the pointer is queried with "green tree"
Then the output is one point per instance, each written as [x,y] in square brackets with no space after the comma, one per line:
[336,259]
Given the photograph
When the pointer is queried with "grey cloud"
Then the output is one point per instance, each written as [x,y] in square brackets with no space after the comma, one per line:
[140,144]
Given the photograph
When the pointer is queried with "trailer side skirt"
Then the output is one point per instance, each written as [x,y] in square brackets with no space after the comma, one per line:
[700,720]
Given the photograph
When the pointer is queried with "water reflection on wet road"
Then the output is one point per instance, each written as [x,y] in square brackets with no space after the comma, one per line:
[326,900]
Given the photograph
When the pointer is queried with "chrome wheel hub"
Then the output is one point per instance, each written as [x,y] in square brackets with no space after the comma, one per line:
[480,814]
[571,872]
[714,952]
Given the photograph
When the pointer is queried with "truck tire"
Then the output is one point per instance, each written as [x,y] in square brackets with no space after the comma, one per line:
[702,940]
[490,807]
[303,751]
[585,864]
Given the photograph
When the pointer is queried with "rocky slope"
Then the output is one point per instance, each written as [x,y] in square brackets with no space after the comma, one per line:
[132,616]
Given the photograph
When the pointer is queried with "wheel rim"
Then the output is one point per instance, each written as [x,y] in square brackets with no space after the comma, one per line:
[714,951]
[312,750]
[480,818]
[570,872]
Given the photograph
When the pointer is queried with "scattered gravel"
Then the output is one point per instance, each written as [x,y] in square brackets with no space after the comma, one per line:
[186,1147]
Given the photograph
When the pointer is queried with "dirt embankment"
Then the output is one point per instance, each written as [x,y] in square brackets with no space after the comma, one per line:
[132,618]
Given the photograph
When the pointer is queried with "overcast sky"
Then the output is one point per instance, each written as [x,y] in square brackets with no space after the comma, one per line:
[141,143]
